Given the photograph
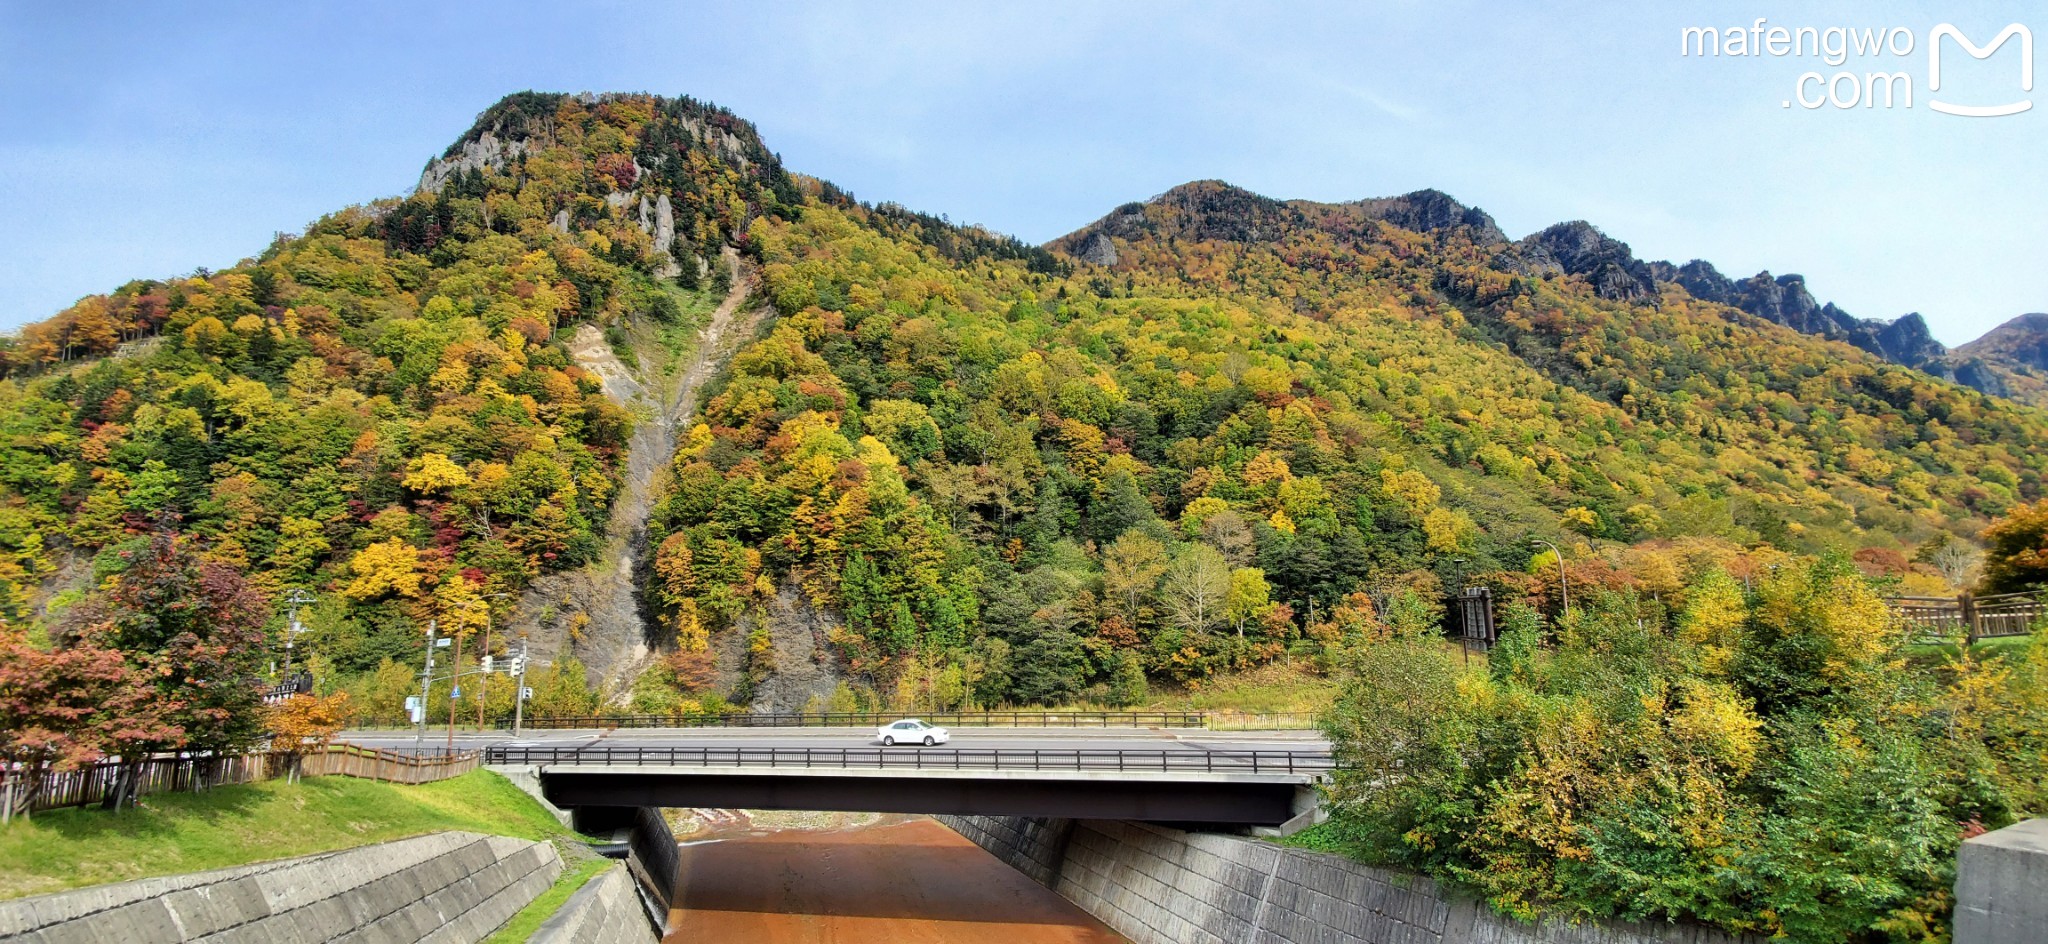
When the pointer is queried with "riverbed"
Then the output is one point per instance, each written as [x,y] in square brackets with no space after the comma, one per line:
[781,878]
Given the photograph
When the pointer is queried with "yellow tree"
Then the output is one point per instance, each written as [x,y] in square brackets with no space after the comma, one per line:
[386,567]
[304,724]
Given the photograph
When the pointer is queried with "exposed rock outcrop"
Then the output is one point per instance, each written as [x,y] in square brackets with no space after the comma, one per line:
[1785,300]
[1098,249]
[487,153]
[1579,248]
[800,670]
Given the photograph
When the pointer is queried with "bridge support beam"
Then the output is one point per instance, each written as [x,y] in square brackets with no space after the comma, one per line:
[1222,799]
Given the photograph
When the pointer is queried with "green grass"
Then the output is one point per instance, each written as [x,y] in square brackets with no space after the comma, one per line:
[185,832]
[2002,647]
[1280,687]
[529,918]
[1322,837]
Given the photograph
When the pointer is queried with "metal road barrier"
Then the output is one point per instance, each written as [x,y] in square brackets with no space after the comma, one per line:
[914,758]
[875,717]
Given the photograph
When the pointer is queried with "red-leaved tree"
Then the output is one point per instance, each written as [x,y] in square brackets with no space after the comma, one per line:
[192,629]
[66,708]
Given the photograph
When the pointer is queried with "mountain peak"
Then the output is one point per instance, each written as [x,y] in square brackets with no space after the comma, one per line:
[512,126]
[1203,210]
[1580,248]
[1432,211]
[1199,210]
[2022,341]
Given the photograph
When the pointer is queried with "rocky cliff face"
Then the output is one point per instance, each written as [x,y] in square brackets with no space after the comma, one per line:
[1579,248]
[1785,300]
[487,153]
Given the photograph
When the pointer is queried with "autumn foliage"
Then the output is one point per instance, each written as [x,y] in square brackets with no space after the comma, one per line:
[1767,761]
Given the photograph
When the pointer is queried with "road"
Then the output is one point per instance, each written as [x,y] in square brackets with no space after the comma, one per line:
[1049,739]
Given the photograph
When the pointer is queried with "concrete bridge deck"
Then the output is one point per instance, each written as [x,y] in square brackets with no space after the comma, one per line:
[1247,788]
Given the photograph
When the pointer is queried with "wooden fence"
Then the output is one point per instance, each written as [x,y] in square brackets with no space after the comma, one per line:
[1942,619]
[95,783]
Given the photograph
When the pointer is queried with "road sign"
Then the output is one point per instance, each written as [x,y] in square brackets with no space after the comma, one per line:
[525,693]
[412,702]
[455,693]
[419,714]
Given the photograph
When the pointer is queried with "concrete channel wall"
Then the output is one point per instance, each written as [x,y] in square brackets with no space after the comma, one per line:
[448,887]
[2002,886]
[606,910]
[653,863]
[1163,886]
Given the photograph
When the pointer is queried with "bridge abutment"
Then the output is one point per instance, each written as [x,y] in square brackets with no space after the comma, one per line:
[2002,885]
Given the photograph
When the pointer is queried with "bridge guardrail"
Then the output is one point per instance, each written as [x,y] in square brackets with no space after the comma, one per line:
[1256,762]
[842,719]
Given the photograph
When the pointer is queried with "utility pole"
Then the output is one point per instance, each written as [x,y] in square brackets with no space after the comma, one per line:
[426,685]
[519,693]
[454,688]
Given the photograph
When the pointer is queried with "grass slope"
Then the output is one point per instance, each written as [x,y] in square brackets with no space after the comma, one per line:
[172,833]
[538,911]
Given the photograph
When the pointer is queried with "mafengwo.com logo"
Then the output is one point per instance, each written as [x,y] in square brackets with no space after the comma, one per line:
[1894,66]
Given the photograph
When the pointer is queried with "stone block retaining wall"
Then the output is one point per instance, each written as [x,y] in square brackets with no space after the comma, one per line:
[448,887]
[1164,886]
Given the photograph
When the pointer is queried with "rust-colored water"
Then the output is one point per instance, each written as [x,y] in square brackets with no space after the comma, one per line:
[905,882]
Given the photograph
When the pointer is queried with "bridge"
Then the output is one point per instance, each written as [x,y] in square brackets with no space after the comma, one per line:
[1188,784]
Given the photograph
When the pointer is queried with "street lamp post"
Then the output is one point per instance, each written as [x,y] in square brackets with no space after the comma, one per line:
[483,679]
[1564,582]
[293,627]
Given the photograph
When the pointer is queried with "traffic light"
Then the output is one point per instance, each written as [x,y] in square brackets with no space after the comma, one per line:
[487,663]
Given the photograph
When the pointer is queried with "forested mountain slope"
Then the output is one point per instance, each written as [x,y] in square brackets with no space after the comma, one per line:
[1235,407]
[1177,441]
[382,410]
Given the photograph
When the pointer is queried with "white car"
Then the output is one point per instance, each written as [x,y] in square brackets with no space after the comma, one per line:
[911,731]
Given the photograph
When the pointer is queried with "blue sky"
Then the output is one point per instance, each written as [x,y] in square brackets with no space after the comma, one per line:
[143,140]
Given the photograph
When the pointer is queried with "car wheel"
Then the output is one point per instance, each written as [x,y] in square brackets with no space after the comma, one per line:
[888,741]
[928,741]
